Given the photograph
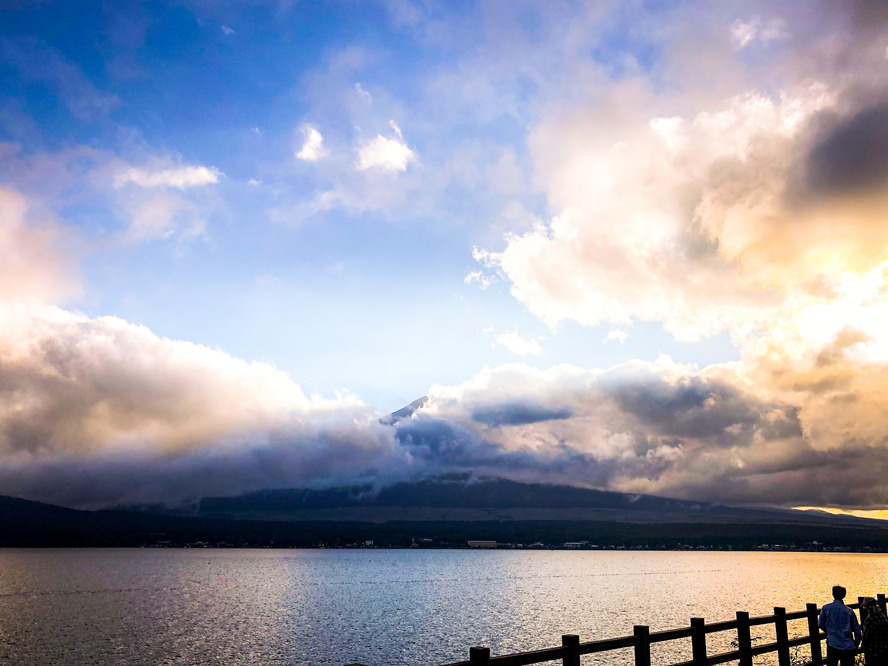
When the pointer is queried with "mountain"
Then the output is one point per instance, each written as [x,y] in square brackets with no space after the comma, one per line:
[33,524]
[461,497]
[404,412]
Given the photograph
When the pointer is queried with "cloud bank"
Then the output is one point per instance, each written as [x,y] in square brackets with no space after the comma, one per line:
[100,410]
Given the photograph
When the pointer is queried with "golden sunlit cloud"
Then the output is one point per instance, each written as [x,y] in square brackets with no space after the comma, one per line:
[875,514]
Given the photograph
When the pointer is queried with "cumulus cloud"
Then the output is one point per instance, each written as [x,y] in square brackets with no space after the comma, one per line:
[95,411]
[312,146]
[660,428]
[713,210]
[98,412]
[386,154]
[679,221]
[519,345]
[181,178]
[756,209]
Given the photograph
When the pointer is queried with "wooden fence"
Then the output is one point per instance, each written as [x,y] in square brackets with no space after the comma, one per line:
[572,649]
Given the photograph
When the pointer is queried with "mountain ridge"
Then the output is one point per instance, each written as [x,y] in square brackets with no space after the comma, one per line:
[464,497]
[25,523]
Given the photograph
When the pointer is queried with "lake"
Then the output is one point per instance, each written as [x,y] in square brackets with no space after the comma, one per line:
[383,607]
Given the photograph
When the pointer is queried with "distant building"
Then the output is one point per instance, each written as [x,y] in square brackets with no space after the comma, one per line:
[482,544]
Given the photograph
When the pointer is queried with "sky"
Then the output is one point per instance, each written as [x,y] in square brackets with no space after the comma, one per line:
[636,246]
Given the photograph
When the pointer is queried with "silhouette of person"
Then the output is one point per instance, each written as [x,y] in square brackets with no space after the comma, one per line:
[842,630]
[875,633]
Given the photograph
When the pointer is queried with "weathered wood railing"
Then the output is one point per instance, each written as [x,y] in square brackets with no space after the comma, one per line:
[572,649]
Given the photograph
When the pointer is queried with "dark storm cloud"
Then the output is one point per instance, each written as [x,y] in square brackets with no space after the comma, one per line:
[438,440]
[437,446]
[519,414]
[868,15]
[852,156]
[101,481]
[851,478]
[692,408]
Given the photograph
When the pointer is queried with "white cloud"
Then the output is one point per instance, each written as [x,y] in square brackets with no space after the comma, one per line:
[179,177]
[518,345]
[386,154]
[676,221]
[483,280]
[671,131]
[313,144]
[363,94]
[743,33]
[227,30]
[490,275]
[617,334]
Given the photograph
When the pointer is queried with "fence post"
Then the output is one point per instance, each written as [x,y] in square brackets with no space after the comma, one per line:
[863,611]
[881,600]
[814,634]
[744,639]
[781,632]
[571,645]
[698,641]
[642,645]
[479,655]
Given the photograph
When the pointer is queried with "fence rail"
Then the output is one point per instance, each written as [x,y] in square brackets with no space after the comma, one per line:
[572,649]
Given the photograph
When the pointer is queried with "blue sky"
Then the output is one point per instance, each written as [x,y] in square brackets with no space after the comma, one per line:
[368,297]
[262,225]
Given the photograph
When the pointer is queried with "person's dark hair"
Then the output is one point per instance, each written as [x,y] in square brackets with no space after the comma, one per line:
[839,592]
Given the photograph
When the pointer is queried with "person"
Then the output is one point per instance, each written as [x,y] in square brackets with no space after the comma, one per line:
[875,633]
[842,630]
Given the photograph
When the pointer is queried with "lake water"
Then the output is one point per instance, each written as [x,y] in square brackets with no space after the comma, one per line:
[384,607]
